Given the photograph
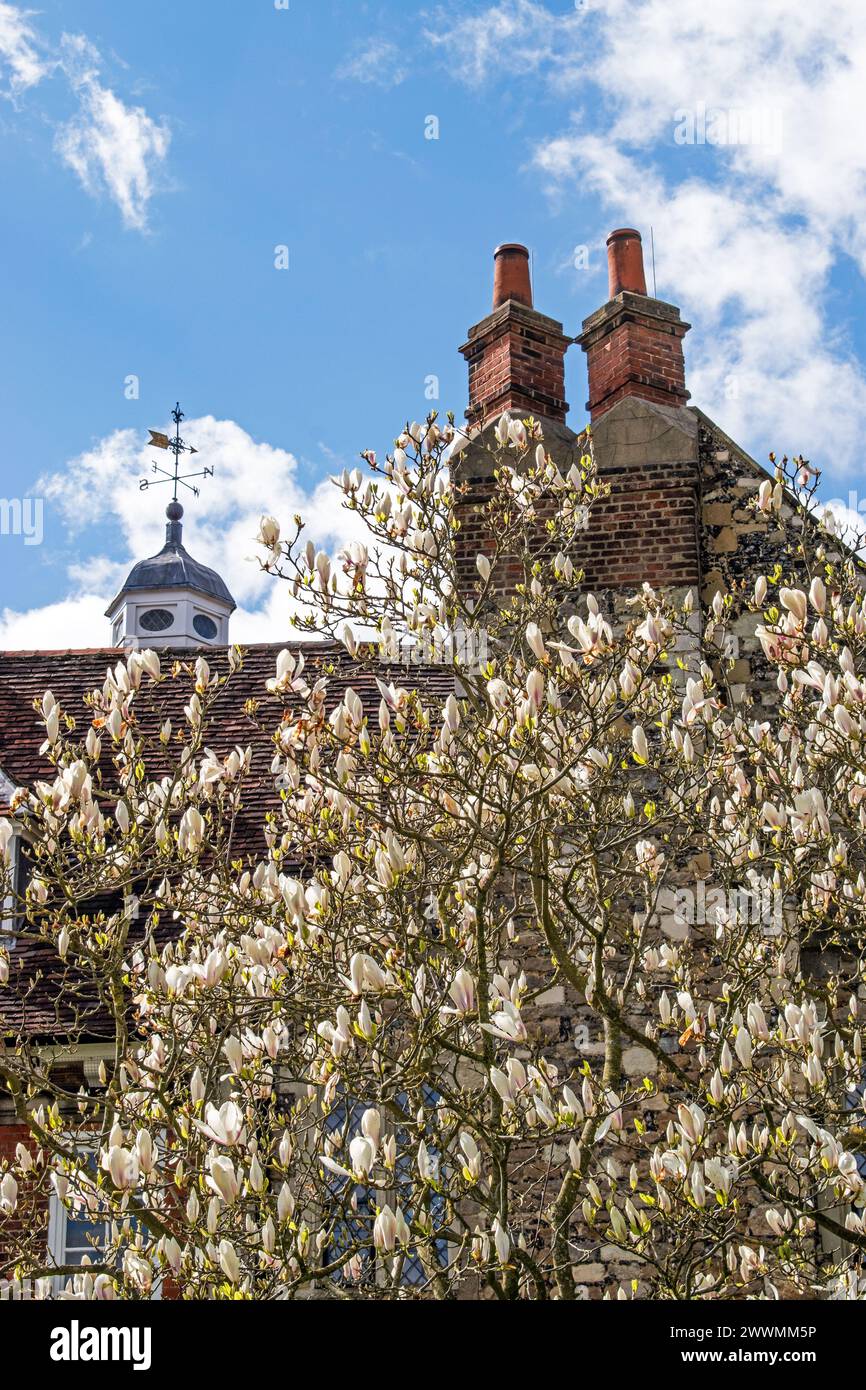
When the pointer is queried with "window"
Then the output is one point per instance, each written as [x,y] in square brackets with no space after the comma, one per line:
[854,1101]
[346,1121]
[74,1238]
[205,626]
[413,1269]
[156,620]
[21,870]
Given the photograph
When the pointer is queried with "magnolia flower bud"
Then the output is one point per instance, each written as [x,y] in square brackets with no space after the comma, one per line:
[462,991]
[285,1203]
[818,595]
[144,1149]
[229,1262]
[371,1125]
[778,1222]
[402,1233]
[8,1194]
[795,602]
[257,1177]
[385,1230]
[122,1165]
[362,1154]
[743,1047]
[502,1241]
[269,531]
[234,1054]
[223,1179]
[451,714]
[535,689]
[536,641]
[639,744]
[517,434]
[699,1191]
[269,1235]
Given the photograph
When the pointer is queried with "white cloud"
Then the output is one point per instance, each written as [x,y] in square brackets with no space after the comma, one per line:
[251,478]
[761,357]
[112,147]
[20,51]
[510,39]
[377,63]
[72,622]
[849,521]
[747,234]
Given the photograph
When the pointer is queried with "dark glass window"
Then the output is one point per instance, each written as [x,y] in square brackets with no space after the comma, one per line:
[350,1231]
[413,1269]
[156,620]
[205,626]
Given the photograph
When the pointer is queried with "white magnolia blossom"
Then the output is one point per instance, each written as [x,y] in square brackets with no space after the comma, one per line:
[405,1039]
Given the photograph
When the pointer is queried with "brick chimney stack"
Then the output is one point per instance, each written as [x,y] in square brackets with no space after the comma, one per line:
[516,356]
[634,343]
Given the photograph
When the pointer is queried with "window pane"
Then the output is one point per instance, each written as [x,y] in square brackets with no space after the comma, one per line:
[83,1237]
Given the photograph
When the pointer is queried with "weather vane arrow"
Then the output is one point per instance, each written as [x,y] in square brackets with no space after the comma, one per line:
[178,447]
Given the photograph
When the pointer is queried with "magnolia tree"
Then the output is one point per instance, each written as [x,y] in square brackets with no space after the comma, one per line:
[326,1074]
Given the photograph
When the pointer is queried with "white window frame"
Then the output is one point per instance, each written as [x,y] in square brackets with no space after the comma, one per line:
[90,1055]
[8,940]
[58,1218]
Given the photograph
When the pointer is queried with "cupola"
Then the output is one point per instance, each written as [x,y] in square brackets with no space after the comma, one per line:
[171,600]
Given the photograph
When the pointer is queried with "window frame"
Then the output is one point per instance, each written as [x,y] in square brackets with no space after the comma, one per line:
[9,938]
[58,1248]
[376,1196]
[58,1220]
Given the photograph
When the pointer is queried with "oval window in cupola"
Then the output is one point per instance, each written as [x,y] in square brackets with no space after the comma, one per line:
[156,620]
[205,626]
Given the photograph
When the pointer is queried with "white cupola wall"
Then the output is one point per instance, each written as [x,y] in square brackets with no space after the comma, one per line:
[171,600]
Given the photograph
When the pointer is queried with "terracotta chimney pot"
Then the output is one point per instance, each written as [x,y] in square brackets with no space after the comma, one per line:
[511,275]
[625,262]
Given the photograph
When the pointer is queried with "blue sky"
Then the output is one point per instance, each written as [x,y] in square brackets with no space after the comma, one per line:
[153,157]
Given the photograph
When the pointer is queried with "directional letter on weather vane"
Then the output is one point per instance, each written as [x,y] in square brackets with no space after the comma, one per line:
[176,447]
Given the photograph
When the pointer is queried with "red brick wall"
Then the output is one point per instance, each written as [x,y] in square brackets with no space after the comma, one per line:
[30,1213]
[647,529]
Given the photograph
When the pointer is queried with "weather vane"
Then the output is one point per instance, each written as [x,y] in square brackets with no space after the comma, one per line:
[177,447]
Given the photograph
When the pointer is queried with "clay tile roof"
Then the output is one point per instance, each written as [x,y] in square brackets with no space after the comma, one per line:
[71,675]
